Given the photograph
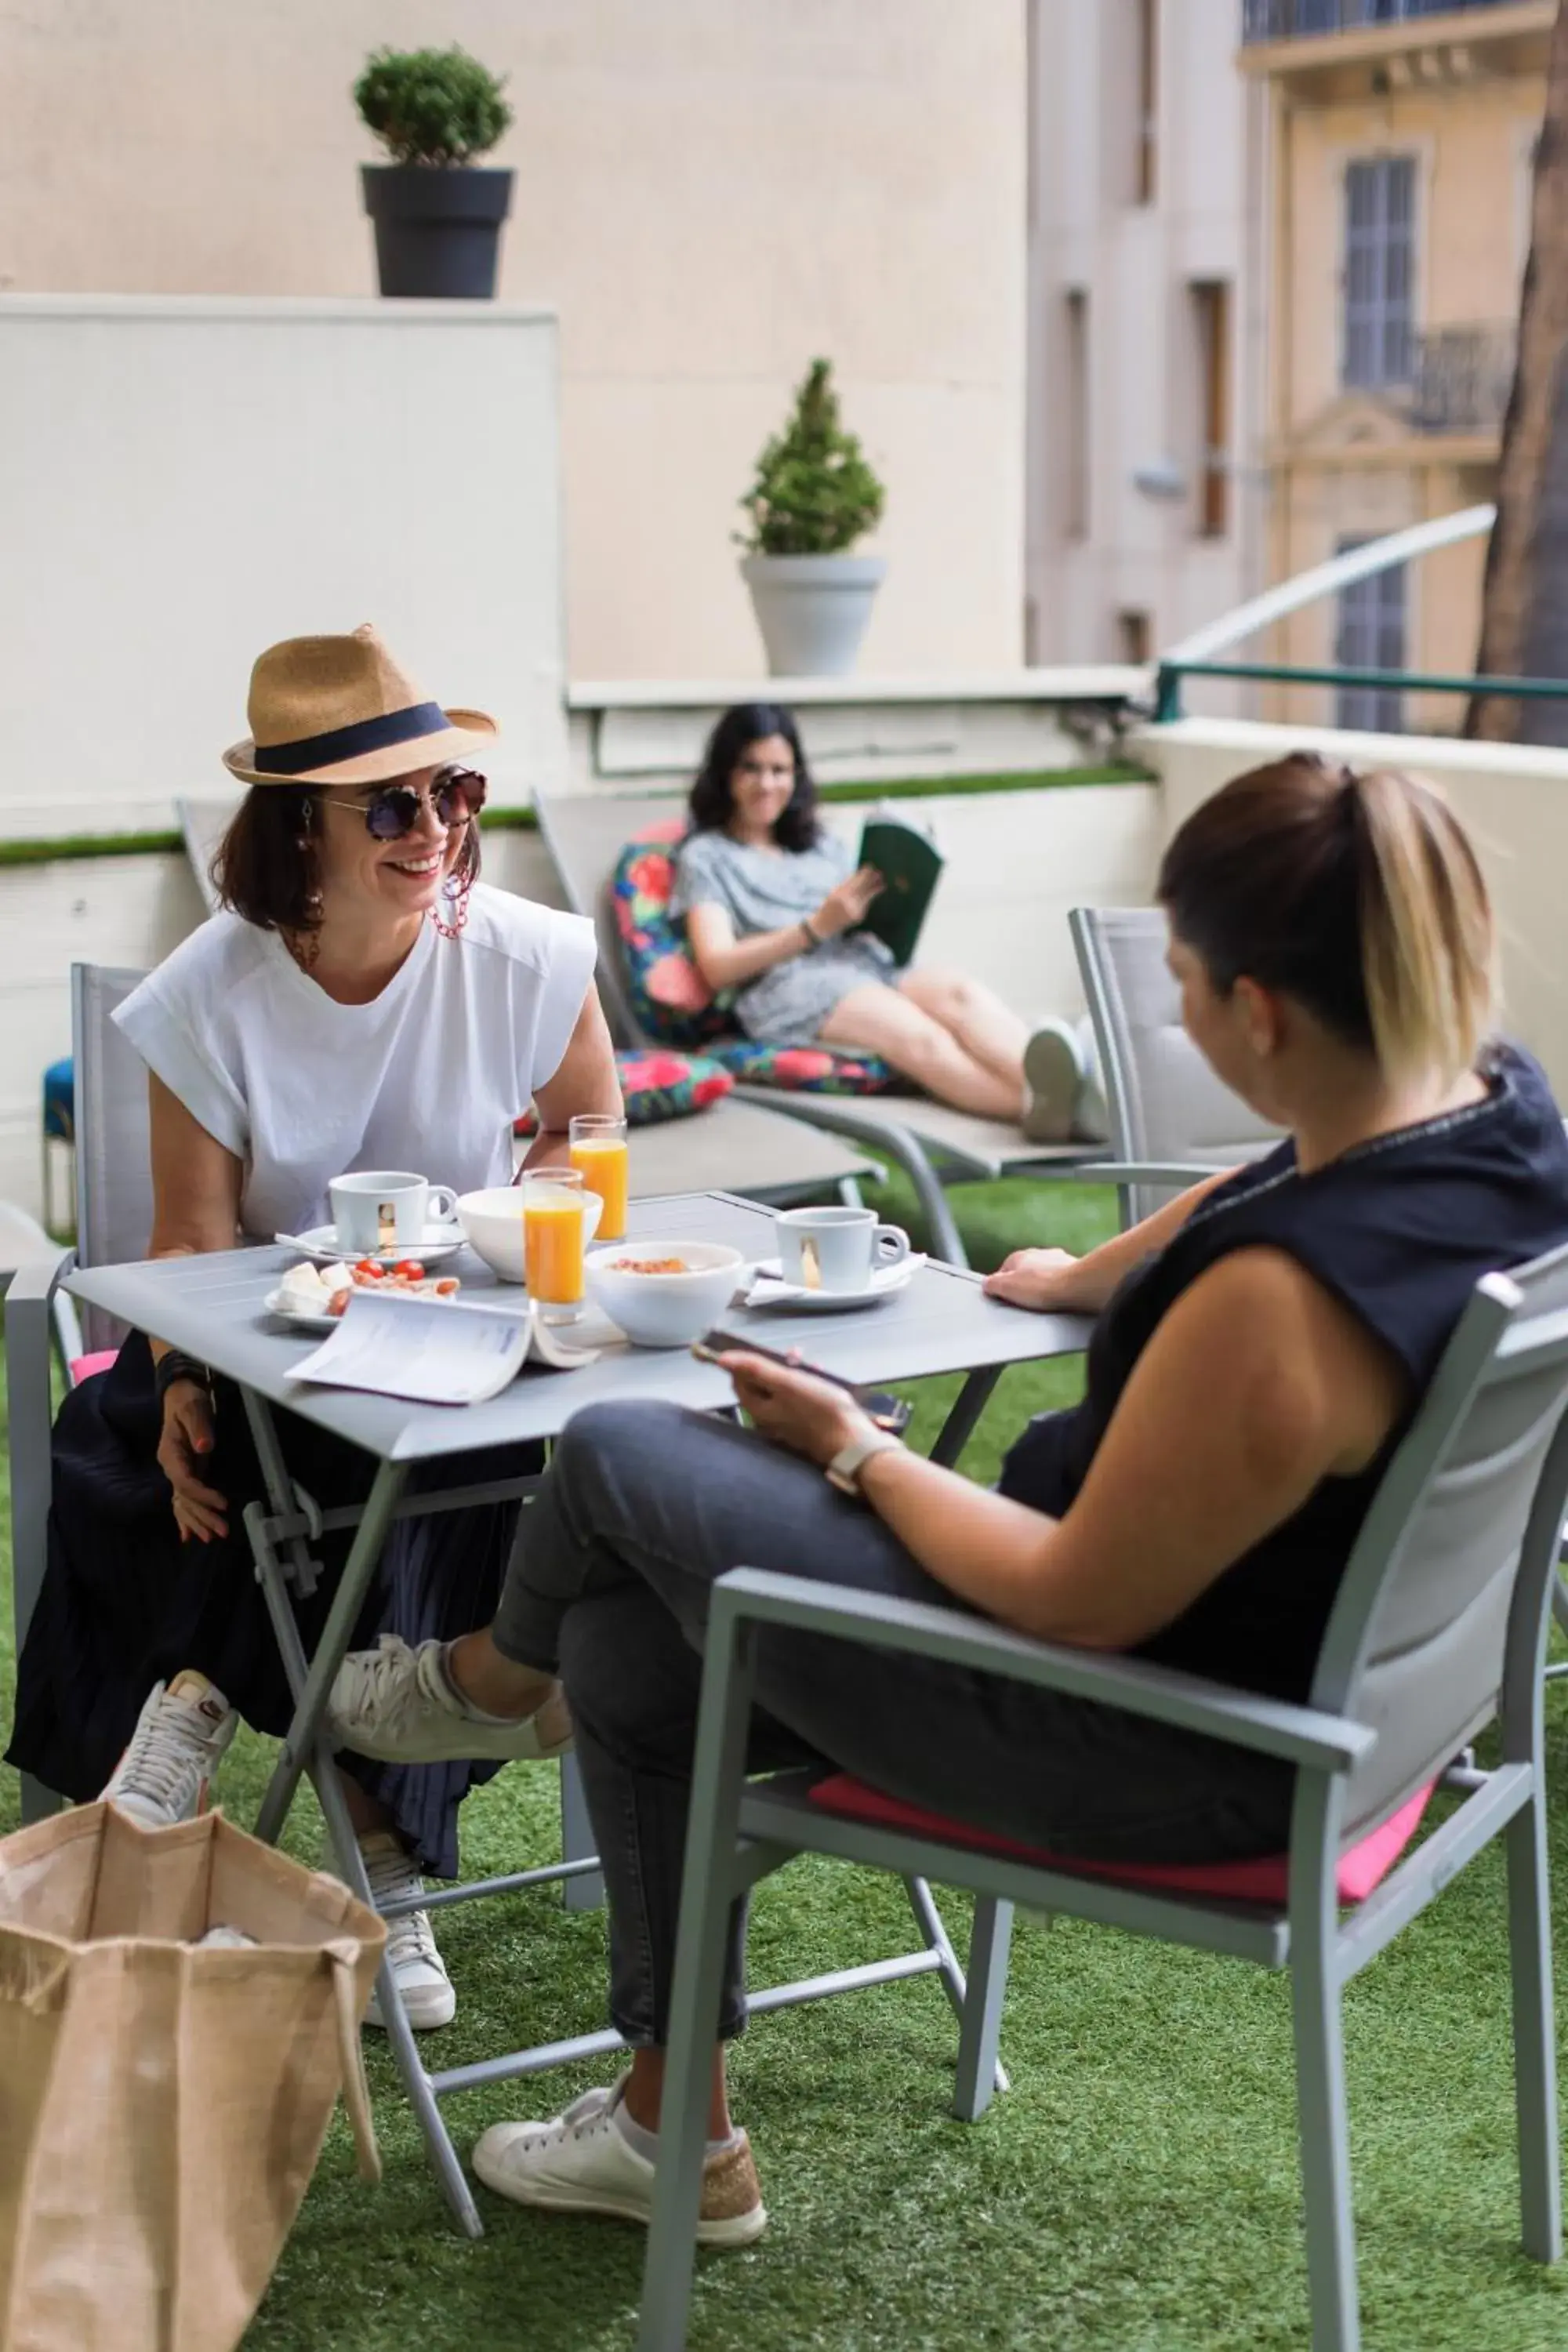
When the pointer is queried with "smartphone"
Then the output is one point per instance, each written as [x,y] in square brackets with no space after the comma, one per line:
[888,1412]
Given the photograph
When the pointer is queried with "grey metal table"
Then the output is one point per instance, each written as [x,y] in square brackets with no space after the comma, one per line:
[213,1308]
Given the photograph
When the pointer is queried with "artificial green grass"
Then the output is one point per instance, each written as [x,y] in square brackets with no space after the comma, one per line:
[1135,2191]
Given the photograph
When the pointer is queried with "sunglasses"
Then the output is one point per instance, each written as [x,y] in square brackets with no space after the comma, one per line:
[393,810]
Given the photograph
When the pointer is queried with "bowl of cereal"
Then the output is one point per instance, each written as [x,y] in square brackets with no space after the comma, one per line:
[663,1293]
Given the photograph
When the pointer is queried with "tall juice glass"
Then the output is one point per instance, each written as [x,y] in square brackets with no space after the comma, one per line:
[598,1152]
[552,1236]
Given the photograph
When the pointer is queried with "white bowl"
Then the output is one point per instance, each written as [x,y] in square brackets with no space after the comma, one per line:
[665,1310]
[492,1225]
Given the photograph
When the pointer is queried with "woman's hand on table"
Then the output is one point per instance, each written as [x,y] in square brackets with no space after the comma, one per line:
[187,1439]
[847,903]
[1049,1280]
[794,1409]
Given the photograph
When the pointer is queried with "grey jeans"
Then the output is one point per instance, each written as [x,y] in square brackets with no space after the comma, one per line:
[643,1505]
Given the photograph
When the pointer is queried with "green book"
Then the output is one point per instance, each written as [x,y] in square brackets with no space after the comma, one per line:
[910,864]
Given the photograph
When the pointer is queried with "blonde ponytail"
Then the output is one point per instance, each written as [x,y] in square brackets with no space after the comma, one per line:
[1428,948]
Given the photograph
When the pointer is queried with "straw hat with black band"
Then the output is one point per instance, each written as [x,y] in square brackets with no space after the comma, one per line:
[339,711]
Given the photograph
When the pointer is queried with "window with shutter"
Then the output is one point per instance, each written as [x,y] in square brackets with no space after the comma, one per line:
[1378,342]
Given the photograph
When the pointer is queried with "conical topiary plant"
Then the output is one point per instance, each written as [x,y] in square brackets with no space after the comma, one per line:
[813,493]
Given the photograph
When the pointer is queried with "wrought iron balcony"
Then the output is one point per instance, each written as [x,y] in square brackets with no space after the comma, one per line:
[1297,20]
[1461,379]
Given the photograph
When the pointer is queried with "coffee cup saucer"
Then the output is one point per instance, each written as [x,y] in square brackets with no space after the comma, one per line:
[322,1246]
[769,1288]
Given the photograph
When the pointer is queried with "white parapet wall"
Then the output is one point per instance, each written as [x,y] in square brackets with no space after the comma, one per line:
[628,734]
[1513,801]
[185,480]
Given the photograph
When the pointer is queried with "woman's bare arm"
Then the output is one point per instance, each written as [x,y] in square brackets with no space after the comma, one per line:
[195,1181]
[196,1186]
[725,962]
[1256,1386]
[586,1081]
[1057,1283]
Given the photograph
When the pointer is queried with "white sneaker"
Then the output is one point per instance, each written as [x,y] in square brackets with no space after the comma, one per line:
[1053,1073]
[180,1738]
[420,1971]
[400,1706]
[583,2162]
[1091,1118]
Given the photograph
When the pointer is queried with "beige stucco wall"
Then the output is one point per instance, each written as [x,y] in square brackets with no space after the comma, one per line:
[1513,801]
[709,192]
[1346,465]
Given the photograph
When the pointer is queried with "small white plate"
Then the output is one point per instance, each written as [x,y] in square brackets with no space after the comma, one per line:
[769,1289]
[322,1245]
[276,1303]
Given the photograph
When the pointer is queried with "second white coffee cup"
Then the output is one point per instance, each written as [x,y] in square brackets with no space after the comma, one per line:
[837,1249]
[387,1208]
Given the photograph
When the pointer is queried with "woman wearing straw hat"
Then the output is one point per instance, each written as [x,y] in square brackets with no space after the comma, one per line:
[361,1001]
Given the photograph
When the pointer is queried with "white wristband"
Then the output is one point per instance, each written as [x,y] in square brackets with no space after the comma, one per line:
[844,1470]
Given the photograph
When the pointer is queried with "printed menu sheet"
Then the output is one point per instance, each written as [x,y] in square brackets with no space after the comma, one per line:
[434,1350]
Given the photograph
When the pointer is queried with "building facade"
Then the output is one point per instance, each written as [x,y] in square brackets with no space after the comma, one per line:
[1397,140]
[1146,268]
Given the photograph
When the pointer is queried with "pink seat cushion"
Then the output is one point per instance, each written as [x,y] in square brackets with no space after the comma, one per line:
[1263,1879]
[84,1367]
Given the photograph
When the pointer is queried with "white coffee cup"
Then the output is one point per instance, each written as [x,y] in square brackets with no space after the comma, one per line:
[387,1208]
[837,1249]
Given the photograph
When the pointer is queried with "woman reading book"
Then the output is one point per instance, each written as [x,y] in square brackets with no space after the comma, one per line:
[774,909]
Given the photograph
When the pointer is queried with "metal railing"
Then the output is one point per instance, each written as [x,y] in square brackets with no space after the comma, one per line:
[1171,673]
[1462,378]
[1297,20]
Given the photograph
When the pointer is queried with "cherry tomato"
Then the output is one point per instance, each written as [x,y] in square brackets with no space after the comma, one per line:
[367,1265]
[410,1268]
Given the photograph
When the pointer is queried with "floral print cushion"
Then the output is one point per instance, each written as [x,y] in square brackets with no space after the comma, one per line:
[670,997]
[671,1001]
[801,1069]
[658,1086]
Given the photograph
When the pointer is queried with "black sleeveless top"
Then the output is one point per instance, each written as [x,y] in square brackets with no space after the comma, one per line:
[1400,1229]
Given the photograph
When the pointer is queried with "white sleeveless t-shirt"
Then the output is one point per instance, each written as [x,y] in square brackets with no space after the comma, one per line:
[429,1077]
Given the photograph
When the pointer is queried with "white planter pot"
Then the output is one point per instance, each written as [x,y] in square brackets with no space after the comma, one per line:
[812,609]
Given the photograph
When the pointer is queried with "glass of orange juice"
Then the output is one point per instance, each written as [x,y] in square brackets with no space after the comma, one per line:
[598,1152]
[552,1234]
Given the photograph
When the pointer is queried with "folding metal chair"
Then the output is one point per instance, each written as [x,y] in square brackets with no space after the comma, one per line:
[1172,1121]
[1439,1630]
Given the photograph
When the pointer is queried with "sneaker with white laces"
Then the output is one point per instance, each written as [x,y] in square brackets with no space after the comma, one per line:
[583,2162]
[1053,1074]
[402,1706]
[180,1738]
[429,1999]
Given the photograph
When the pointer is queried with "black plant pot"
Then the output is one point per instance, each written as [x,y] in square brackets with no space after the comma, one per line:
[437,232]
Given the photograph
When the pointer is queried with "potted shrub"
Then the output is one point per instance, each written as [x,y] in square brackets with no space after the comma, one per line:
[813,497]
[438,220]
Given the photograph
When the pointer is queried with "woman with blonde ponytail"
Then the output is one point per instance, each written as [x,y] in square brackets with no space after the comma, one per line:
[1261,1345]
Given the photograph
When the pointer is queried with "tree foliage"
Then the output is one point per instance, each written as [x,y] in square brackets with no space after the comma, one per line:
[814,492]
[432,106]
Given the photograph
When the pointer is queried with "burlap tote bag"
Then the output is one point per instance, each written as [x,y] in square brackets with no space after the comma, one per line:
[162,2106]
